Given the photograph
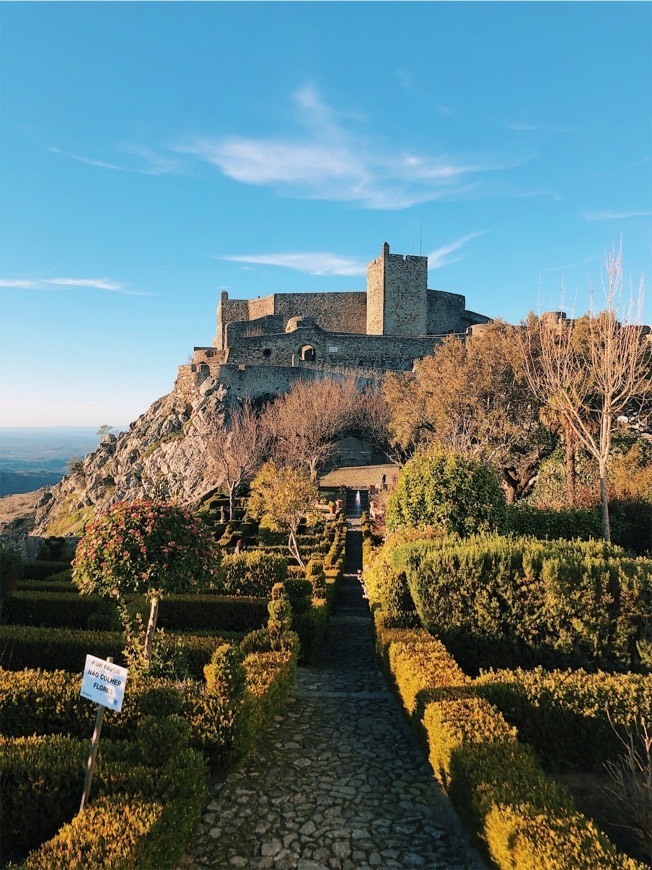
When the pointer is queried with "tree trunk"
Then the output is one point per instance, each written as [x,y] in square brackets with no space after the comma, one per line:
[231,504]
[604,503]
[571,471]
[511,485]
[151,628]
[293,547]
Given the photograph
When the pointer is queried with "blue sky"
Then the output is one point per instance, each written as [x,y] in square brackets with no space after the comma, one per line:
[156,153]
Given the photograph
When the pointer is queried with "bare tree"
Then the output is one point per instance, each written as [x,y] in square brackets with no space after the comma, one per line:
[373,416]
[236,443]
[305,423]
[589,371]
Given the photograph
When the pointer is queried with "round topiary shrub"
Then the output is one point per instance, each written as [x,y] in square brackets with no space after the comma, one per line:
[452,493]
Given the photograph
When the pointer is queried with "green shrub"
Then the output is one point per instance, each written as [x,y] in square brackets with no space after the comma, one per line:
[279,621]
[631,522]
[506,602]
[26,646]
[64,609]
[66,649]
[10,572]
[55,549]
[299,591]
[449,492]
[569,523]
[569,716]
[311,625]
[41,779]
[315,574]
[217,613]
[36,569]
[386,585]
[226,675]
[49,585]
[111,833]
[251,573]
[268,535]
[521,819]
[36,702]
[157,765]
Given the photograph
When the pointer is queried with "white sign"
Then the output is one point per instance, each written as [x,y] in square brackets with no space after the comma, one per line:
[104,683]
[333,349]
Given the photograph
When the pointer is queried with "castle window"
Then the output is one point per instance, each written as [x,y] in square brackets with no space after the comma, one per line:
[267,353]
[307,353]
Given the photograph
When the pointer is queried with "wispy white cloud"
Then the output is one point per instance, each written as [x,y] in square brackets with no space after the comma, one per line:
[579,265]
[53,284]
[149,162]
[102,164]
[615,215]
[536,127]
[332,160]
[325,263]
[17,283]
[441,256]
[310,263]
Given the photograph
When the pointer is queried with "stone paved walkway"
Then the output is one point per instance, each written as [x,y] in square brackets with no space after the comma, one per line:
[338,781]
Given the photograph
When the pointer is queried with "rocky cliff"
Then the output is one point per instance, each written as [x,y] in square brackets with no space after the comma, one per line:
[164,454]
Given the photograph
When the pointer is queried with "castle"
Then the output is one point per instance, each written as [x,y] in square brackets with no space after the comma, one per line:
[263,345]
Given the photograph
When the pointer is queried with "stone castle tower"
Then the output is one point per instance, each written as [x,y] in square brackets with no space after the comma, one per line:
[397,295]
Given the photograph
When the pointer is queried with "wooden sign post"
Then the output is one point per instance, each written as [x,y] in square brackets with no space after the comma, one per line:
[104,683]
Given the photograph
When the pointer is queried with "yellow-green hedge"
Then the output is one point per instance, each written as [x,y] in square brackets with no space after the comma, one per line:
[569,716]
[111,833]
[522,819]
[521,838]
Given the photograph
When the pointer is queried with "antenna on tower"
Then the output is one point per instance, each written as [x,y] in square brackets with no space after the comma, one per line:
[420,238]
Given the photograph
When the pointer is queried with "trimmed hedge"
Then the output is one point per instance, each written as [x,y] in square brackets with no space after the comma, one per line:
[218,613]
[251,573]
[43,777]
[24,646]
[631,523]
[49,585]
[35,569]
[569,716]
[521,818]
[83,843]
[568,523]
[57,609]
[39,702]
[506,602]
[72,610]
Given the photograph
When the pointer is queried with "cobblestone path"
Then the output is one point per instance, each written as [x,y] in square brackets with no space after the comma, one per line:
[338,781]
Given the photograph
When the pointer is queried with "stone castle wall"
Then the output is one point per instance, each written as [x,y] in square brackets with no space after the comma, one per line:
[344,311]
[385,328]
[387,352]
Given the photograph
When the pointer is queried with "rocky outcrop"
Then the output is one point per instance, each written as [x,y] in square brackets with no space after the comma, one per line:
[164,454]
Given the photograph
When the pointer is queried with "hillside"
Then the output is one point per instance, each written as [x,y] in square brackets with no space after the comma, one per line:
[162,453]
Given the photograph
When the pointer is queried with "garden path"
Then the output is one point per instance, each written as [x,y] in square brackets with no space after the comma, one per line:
[338,781]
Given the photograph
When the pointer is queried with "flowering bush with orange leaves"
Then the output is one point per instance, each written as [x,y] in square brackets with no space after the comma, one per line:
[146,547]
